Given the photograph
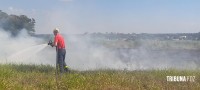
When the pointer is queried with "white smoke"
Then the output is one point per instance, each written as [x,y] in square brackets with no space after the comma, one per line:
[86,53]
[20,49]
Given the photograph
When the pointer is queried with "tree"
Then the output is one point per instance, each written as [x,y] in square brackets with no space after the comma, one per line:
[14,24]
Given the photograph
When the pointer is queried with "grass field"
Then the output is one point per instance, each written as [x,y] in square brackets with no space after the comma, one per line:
[42,77]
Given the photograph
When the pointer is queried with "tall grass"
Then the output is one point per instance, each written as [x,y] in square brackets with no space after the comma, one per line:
[42,77]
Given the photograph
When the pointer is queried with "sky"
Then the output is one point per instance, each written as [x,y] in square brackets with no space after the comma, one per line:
[120,16]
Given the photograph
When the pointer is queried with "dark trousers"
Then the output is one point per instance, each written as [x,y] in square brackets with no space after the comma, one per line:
[61,59]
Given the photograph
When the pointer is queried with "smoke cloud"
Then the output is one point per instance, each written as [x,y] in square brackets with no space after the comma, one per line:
[20,49]
[86,53]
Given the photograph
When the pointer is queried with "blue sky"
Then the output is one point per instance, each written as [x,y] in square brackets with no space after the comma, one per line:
[126,16]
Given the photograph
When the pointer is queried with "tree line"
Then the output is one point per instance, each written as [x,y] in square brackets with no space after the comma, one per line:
[14,23]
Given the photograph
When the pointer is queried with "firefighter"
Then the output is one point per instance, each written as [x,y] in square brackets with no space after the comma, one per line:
[59,43]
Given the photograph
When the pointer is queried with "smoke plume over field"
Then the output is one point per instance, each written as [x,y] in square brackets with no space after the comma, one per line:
[85,53]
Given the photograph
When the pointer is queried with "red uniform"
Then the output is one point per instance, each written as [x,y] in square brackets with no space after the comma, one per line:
[60,41]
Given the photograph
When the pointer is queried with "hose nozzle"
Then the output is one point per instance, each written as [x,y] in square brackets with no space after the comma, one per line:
[50,43]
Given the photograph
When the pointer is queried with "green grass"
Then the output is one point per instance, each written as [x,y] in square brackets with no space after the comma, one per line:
[42,77]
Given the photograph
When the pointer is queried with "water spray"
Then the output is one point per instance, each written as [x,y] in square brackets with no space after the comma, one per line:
[22,54]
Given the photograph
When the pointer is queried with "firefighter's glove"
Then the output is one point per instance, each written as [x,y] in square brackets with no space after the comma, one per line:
[50,43]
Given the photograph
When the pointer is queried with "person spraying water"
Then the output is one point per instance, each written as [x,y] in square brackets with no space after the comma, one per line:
[59,43]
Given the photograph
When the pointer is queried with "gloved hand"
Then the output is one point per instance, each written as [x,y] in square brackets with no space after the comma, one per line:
[50,43]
